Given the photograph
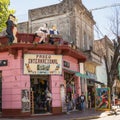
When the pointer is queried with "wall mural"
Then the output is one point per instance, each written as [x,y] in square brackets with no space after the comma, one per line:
[102,101]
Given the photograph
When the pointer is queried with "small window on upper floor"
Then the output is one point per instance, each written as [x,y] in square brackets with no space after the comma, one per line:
[85,41]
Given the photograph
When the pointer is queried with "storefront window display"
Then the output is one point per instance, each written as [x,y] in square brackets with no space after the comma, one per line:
[25,100]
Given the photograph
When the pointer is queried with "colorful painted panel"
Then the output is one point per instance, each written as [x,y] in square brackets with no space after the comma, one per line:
[102,101]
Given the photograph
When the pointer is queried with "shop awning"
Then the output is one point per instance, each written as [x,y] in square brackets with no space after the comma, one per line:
[78,74]
[81,75]
[95,81]
[71,71]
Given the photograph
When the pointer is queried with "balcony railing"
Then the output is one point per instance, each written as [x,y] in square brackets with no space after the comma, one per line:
[30,38]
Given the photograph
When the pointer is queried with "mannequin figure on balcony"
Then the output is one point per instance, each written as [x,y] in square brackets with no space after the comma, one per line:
[54,34]
[14,29]
[9,29]
[42,33]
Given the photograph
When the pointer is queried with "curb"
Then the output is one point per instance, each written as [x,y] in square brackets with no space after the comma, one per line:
[86,118]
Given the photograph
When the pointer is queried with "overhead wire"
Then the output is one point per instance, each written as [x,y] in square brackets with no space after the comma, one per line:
[98,31]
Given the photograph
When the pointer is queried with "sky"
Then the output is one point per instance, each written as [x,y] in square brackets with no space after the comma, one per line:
[101,16]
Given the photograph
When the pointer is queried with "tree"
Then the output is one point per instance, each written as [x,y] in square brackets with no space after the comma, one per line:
[111,70]
[4,13]
[115,29]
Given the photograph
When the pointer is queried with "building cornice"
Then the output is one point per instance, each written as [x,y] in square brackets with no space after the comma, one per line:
[26,47]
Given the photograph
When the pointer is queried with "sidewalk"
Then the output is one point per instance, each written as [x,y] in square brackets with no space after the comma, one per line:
[74,115]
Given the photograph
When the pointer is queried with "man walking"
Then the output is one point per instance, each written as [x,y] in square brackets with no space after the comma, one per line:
[82,101]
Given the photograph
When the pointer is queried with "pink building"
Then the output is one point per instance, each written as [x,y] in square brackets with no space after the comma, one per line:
[28,71]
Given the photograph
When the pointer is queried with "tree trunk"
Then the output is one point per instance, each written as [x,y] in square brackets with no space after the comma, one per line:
[109,77]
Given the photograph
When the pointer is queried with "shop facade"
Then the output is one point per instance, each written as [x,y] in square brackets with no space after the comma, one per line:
[91,82]
[27,71]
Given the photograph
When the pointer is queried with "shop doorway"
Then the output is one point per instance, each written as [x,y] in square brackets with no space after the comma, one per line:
[70,88]
[91,92]
[39,85]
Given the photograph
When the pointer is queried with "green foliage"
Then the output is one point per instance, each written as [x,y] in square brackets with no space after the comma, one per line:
[4,13]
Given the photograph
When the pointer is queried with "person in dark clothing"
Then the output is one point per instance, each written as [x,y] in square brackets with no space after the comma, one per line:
[9,28]
[67,100]
[53,32]
[89,100]
[77,101]
[82,101]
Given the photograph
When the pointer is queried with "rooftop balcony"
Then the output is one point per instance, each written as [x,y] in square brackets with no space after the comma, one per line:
[26,42]
[30,38]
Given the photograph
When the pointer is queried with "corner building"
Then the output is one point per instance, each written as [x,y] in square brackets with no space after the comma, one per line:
[28,70]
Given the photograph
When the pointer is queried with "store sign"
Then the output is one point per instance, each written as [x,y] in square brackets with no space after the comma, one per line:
[3,62]
[91,75]
[42,64]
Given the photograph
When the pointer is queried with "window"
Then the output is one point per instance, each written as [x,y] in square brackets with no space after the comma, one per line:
[85,41]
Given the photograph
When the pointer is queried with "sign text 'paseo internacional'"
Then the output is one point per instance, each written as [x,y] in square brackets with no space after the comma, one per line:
[42,64]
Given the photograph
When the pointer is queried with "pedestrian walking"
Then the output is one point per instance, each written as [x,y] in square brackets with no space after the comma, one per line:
[89,100]
[74,101]
[67,104]
[77,102]
[82,101]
